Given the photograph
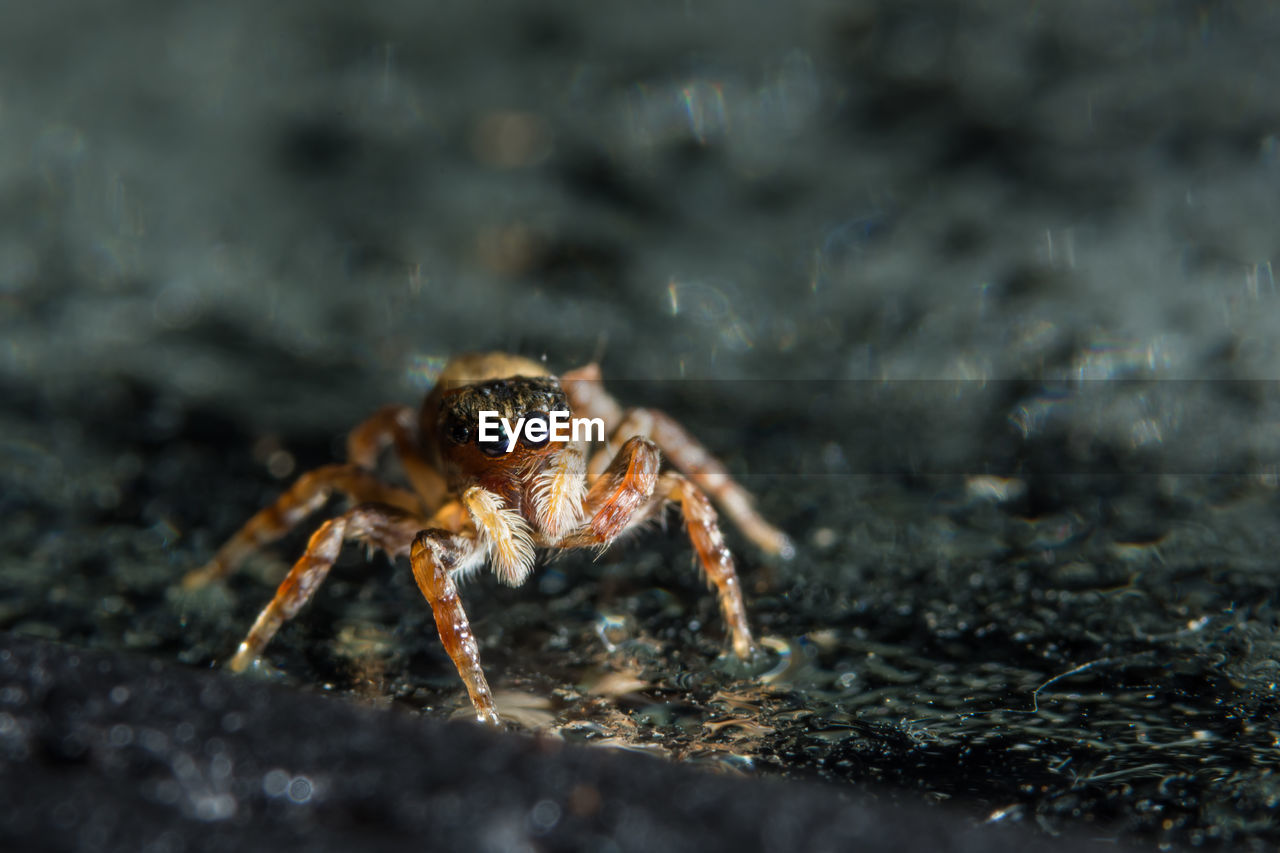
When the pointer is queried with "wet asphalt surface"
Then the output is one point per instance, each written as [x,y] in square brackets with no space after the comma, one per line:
[977,300]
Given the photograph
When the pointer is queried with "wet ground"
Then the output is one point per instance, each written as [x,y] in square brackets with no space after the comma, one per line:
[978,301]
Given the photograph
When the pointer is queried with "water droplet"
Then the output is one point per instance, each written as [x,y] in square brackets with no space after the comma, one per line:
[300,789]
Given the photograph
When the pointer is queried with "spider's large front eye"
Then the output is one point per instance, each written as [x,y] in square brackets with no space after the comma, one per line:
[537,429]
[493,448]
[459,432]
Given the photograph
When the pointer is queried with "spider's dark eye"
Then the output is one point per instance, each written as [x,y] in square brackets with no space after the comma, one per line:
[537,429]
[459,432]
[493,448]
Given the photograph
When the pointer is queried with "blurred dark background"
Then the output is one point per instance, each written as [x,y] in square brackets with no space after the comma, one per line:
[977,298]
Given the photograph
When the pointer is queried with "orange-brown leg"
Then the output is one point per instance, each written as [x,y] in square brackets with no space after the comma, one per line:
[713,555]
[588,398]
[379,526]
[304,497]
[619,496]
[435,555]
[630,491]
[585,390]
[397,425]
[387,426]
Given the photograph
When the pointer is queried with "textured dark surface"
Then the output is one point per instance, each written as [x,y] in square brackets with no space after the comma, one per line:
[111,752]
[978,298]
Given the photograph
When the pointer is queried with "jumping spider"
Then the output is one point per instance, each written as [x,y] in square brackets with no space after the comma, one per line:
[474,501]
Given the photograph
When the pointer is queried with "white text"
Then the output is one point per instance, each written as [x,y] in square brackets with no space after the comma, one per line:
[556,426]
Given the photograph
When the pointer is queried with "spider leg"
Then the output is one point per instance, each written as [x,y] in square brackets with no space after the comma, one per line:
[308,493]
[630,491]
[396,425]
[584,387]
[589,399]
[619,496]
[436,554]
[708,542]
[389,425]
[385,527]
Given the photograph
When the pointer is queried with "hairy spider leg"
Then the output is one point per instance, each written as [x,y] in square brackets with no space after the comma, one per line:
[588,398]
[436,555]
[717,563]
[619,497]
[397,426]
[308,493]
[631,491]
[386,527]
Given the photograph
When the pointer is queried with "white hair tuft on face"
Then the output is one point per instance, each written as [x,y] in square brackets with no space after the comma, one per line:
[506,535]
[559,492]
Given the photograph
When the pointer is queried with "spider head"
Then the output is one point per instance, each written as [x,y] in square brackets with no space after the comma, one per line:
[491,456]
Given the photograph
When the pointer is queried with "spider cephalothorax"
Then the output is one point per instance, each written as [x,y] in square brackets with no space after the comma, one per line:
[501,463]
[476,498]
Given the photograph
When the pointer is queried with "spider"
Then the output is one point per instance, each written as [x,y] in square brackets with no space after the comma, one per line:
[475,501]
